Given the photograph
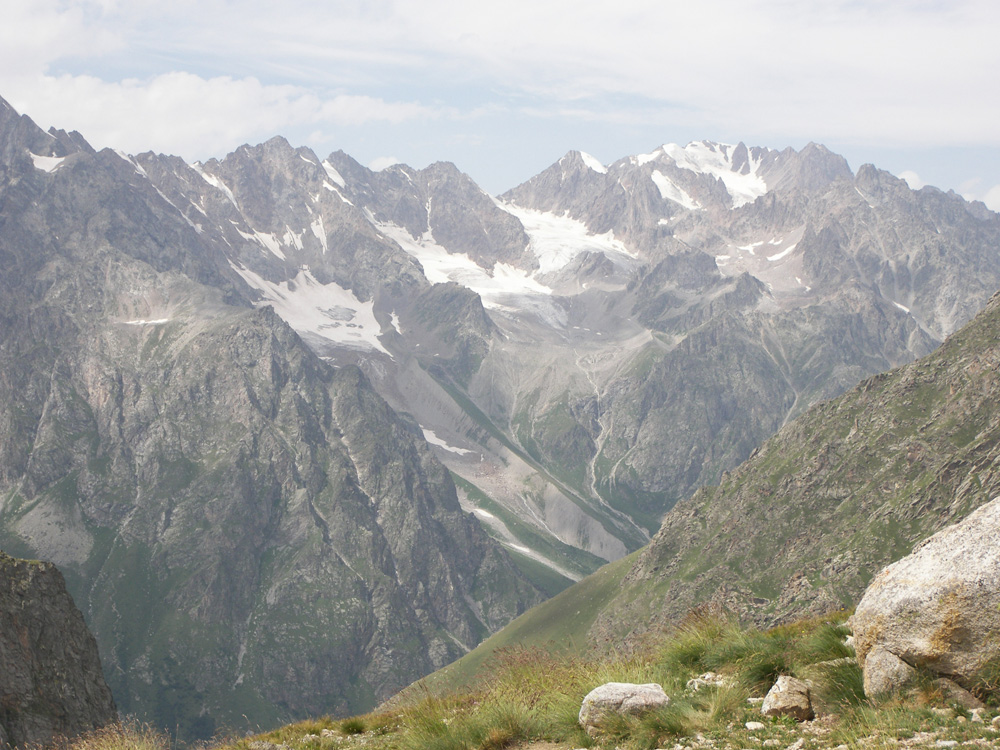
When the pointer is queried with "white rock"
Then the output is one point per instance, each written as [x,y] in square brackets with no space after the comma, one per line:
[754,726]
[938,608]
[709,679]
[619,698]
[788,697]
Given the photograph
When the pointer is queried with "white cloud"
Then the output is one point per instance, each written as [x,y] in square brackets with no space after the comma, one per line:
[912,179]
[199,77]
[840,69]
[992,198]
[34,35]
[186,114]
[382,162]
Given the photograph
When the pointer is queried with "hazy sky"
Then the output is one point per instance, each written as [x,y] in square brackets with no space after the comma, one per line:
[503,89]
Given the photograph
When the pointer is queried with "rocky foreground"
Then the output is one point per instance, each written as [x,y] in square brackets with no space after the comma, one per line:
[50,674]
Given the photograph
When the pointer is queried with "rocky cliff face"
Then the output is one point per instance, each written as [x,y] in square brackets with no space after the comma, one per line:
[250,530]
[602,340]
[851,485]
[51,683]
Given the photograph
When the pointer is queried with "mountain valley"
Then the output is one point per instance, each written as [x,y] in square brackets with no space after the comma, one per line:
[298,432]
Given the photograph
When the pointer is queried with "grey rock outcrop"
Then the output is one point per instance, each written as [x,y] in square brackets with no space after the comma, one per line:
[788,697]
[51,683]
[938,609]
[622,698]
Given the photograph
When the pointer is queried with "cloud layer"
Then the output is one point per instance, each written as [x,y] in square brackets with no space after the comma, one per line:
[199,78]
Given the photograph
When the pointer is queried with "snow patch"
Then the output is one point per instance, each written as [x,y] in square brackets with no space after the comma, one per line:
[751,247]
[291,238]
[142,322]
[716,160]
[339,194]
[265,239]
[865,197]
[319,232]
[333,174]
[641,159]
[483,513]
[593,163]
[217,183]
[433,439]
[307,161]
[556,240]
[901,307]
[394,319]
[327,310]
[671,192]
[134,164]
[47,163]
[783,253]
[440,267]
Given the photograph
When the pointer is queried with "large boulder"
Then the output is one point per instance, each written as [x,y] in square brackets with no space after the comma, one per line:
[51,683]
[619,698]
[936,610]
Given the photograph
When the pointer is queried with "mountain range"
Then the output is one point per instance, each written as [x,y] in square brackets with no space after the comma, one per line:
[298,432]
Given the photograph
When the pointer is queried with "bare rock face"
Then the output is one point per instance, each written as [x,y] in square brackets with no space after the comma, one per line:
[619,698]
[788,697]
[937,609]
[50,673]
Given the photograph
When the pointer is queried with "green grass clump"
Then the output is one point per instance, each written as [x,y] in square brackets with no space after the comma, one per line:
[354,725]
[126,735]
[528,695]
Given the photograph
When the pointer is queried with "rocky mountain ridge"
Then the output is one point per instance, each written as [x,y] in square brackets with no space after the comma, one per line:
[249,530]
[613,337]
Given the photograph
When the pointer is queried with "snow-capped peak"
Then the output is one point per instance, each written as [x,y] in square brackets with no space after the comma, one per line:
[593,163]
[742,181]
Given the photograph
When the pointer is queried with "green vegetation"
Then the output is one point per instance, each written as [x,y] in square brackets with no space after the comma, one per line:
[128,735]
[557,626]
[525,695]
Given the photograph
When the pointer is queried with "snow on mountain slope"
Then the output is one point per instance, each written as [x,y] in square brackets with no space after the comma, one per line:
[557,240]
[772,260]
[734,165]
[672,192]
[593,163]
[47,163]
[441,266]
[325,310]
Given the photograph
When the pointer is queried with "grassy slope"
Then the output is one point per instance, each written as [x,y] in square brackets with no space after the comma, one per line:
[853,484]
[558,625]
[530,699]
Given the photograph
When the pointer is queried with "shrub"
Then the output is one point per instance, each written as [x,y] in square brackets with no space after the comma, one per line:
[354,725]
